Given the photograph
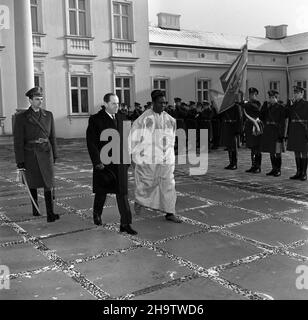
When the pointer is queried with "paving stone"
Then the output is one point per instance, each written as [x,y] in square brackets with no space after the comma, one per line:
[218,215]
[86,243]
[210,249]
[213,192]
[183,202]
[268,205]
[196,289]
[274,276]
[7,234]
[301,216]
[80,203]
[45,286]
[66,223]
[302,250]
[13,202]
[159,228]
[272,232]
[22,257]
[123,274]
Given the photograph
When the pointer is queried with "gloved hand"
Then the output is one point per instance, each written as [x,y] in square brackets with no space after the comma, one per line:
[99,166]
[21,165]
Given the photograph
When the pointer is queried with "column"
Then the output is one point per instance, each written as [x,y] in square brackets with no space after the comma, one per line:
[23,51]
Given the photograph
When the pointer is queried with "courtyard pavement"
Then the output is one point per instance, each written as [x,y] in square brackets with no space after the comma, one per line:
[243,236]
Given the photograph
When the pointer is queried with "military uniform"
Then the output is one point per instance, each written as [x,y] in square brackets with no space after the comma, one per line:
[298,134]
[231,128]
[36,151]
[273,117]
[253,142]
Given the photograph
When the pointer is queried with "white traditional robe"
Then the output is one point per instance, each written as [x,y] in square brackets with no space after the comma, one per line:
[151,143]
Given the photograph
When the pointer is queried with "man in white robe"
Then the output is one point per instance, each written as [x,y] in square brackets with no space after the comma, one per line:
[152,139]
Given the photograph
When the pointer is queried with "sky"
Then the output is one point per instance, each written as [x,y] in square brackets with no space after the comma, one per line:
[238,17]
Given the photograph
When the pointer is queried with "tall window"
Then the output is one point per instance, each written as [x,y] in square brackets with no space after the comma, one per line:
[161,84]
[34,15]
[203,90]
[78,17]
[303,84]
[123,89]
[275,85]
[122,21]
[80,94]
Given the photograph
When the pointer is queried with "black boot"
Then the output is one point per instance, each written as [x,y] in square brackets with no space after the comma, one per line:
[278,167]
[230,161]
[51,217]
[34,196]
[253,163]
[298,169]
[234,160]
[303,176]
[273,162]
[257,168]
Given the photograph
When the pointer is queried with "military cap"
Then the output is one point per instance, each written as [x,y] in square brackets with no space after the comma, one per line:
[156,94]
[34,92]
[192,103]
[177,99]
[273,93]
[137,104]
[253,90]
[298,89]
[149,103]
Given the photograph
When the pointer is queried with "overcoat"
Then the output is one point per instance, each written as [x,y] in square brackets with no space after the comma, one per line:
[231,126]
[97,124]
[298,126]
[253,109]
[273,118]
[38,158]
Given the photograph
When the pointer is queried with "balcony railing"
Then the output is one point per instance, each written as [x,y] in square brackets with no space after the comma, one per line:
[79,46]
[122,48]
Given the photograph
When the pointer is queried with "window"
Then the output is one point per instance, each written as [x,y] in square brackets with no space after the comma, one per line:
[161,84]
[34,16]
[122,21]
[123,89]
[77,18]
[275,85]
[203,90]
[303,84]
[80,94]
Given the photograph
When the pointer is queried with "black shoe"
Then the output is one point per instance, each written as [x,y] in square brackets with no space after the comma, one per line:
[256,170]
[297,176]
[52,217]
[277,173]
[303,177]
[97,219]
[271,173]
[35,213]
[173,218]
[250,170]
[127,228]
[228,167]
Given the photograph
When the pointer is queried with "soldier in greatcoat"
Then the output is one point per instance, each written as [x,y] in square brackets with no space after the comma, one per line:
[231,128]
[253,138]
[273,118]
[36,150]
[297,113]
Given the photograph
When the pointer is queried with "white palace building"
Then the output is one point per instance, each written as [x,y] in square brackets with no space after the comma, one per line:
[78,50]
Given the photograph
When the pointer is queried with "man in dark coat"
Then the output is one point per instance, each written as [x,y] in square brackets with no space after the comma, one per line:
[297,112]
[273,118]
[112,177]
[253,140]
[231,129]
[36,150]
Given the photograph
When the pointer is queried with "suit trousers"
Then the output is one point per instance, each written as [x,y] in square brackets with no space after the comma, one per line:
[123,206]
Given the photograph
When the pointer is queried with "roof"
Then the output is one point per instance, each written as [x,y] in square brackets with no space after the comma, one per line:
[297,42]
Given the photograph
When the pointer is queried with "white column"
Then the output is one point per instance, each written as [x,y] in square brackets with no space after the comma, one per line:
[23,51]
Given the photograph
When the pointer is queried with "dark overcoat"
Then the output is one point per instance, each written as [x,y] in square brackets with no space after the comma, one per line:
[253,109]
[298,126]
[97,124]
[273,117]
[37,158]
[231,126]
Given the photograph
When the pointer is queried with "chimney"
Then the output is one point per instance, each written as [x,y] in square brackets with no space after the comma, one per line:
[276,32]
[168,21]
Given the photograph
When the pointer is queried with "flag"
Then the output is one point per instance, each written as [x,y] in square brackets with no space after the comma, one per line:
[233,83]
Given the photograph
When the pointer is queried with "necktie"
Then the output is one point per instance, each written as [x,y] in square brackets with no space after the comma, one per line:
[114,120]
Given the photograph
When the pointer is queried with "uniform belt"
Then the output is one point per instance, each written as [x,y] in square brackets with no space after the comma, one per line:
[271,122]
[230,121]
[299,120]
[40,140]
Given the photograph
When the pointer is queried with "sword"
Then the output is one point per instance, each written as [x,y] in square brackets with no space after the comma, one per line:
[24,180]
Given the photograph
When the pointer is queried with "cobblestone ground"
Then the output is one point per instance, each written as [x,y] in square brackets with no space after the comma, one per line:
[243,236]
